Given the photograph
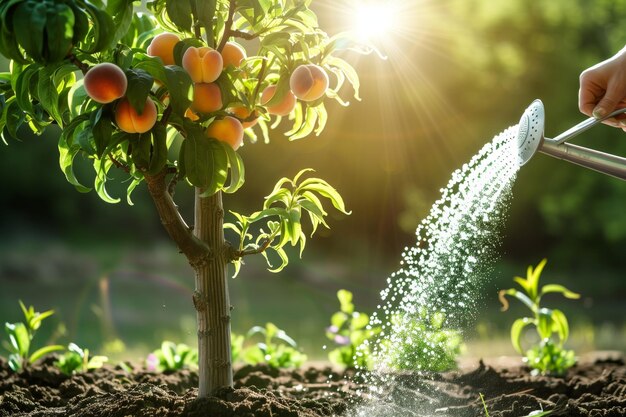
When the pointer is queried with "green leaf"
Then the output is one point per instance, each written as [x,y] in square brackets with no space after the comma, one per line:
[323,188]
[560,325]
[48,94]
[179,12]
[345,301]
[68,151]
[206,161]
[205,12]
[236,169]
[139,85]
[158,158]
[544,323]
[516,332]
[103,29]
[43,351]
[338,319]
[348,71]
[533,278]
[520,296]
[101,129]
[180,87]
[19,338]
[122,12]
[102,168]
[59,32]
[22,87]
[29,22]
[559,289]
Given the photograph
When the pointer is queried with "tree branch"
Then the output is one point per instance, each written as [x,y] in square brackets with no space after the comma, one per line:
[228,26]
[193,248]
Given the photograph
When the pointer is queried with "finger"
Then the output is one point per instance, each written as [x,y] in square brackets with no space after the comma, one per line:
[589,93]
[608,102]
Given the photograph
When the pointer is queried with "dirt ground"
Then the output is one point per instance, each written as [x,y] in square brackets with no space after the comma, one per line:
[595,387]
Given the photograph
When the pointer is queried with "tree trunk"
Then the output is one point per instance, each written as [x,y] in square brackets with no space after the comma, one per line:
[211,298]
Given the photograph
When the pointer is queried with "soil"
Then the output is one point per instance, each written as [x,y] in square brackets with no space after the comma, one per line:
[594,387]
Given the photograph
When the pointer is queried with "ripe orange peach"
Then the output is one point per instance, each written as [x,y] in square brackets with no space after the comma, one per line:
[203,64]
[105,83]
[130,121]
[207,97]
[227,130]
[242,113]
[162,46]
[191,115]
[233,54]
[308,82]
[283,108]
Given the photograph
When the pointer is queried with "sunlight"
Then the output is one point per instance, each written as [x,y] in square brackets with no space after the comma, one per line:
[374,20]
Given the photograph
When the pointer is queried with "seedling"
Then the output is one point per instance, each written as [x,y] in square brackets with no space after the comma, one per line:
[173,108]
[21,335]
[422,342]
[277,349]
[76,360]
[172,357]
[548,356]
[351,332]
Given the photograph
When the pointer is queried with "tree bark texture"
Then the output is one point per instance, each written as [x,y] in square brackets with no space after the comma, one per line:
[211,297]
[206,251]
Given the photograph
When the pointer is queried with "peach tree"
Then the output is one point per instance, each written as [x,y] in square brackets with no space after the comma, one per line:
[167,98]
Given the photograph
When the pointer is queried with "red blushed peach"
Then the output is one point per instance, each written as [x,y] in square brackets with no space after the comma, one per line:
[207,97]
[227,130]
[233,54]
[203,64]
[242,113]
[130,121]
[105,83]
[162,46]
[308,82]
[284,107]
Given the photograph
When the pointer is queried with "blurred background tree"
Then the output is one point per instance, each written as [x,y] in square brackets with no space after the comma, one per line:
[458,72]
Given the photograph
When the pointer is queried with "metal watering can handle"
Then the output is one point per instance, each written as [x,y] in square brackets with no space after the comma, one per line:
[582,126]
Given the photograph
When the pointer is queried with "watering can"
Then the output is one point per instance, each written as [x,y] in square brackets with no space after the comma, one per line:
[530,139]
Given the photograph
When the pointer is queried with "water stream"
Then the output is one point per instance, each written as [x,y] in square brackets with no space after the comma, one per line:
[440,277]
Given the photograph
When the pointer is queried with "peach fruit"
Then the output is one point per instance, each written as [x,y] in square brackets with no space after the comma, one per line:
[105,83]
[191,115]
[162,46]
[283,108]
[233,54]
[207,97]
[130,121]
[242,113]
[308,82]
[203,64]
[228,130]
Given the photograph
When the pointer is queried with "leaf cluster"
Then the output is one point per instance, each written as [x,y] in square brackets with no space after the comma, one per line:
[423,342]
[548,356]
[172,357]
[276,348]
[352,333]
[282,214]
[21,335]
[76,359]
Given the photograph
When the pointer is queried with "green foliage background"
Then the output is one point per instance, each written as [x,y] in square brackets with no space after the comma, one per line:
[464,71]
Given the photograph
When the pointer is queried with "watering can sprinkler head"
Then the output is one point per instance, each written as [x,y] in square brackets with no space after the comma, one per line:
[530,139]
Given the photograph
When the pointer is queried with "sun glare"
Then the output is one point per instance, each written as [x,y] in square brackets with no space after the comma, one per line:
[373,20]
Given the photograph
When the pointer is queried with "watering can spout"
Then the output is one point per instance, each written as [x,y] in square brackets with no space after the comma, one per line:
[530,140]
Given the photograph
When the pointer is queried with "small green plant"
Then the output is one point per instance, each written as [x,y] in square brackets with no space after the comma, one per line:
[236,346]
[536,413]
[548,356]
[277,349]
[422,342]
[172,357]
[351,331]
[21,335]
[76,360]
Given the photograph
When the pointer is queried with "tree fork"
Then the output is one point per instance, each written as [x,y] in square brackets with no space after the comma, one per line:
[211,297]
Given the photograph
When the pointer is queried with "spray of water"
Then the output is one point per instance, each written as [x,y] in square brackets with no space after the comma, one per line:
[436,286]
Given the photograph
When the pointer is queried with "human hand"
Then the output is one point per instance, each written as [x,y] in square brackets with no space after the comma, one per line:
[603,89]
